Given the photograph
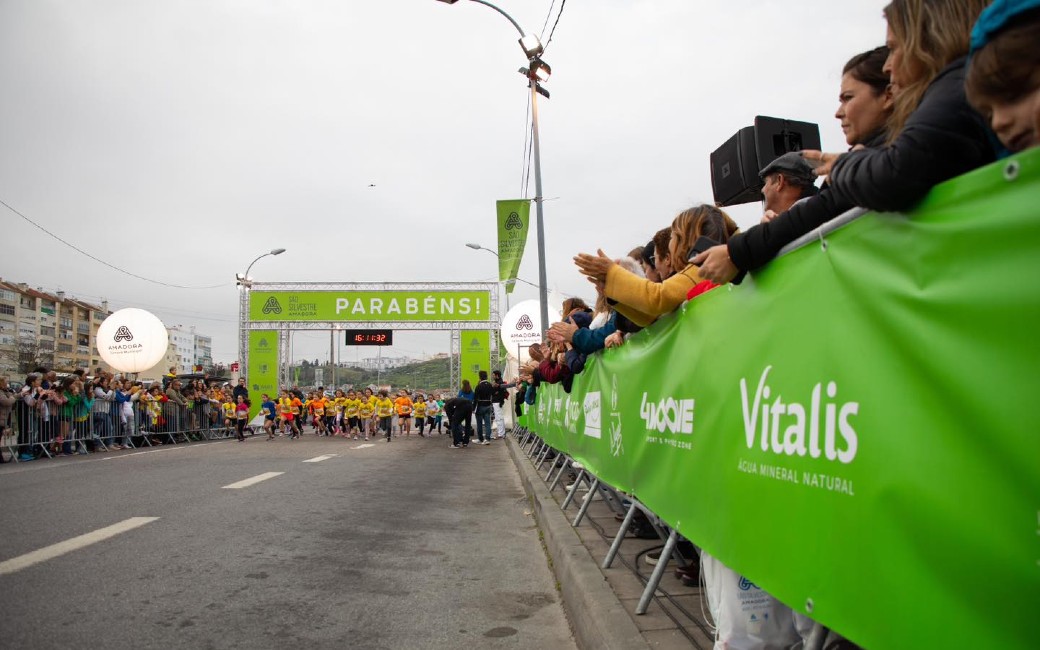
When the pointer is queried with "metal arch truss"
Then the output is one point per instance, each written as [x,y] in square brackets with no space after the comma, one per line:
[284,328]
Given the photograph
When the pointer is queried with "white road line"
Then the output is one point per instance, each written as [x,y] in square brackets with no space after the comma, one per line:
[252,481]
[74,544]
[318,459]
[363,446]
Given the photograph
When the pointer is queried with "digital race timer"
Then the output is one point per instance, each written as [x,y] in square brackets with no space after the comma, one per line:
[370,337]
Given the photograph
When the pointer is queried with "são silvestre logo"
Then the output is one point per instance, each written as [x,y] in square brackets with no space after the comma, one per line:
[793,429]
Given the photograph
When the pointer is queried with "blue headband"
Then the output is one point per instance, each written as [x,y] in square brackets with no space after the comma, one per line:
[996,17]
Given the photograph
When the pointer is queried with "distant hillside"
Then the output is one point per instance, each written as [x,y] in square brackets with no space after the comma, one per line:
[425,375]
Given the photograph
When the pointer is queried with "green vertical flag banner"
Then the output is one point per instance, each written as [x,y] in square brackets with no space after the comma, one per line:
[476,354]
[854,428]
[262,373]
[514,218]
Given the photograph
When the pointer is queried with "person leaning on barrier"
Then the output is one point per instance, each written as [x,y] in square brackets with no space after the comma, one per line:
[933,135]
[1003,81]
[642,300]
[786,180]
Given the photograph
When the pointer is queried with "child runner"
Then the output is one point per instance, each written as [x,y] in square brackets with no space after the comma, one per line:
[241,415]
[419,410]
[337,404]
[366,410]
[351,408]
[269,410]
[288,407]
[403,405]
[433,413]
[229,415]
[385,413]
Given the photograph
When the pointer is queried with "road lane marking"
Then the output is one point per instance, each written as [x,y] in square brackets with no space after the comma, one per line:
[363,446]
[74,544]
[252,481]
[318,459]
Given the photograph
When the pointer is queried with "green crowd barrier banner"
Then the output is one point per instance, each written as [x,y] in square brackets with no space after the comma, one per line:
[514,219]
[262,373]
[852,428]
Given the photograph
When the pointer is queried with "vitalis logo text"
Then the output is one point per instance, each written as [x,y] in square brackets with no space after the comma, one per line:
[272,306]
[524,323]
[513,222]
[123,334]
[783,425]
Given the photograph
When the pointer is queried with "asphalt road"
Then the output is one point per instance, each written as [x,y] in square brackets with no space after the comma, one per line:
[406,544]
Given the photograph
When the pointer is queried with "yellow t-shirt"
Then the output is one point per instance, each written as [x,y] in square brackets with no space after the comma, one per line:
[229,410]
[419,409]
[365,408]
[351,407]
[339,403]
[384,407]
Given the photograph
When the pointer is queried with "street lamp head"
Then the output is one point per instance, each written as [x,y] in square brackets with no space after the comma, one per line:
[531,46]
[540,70]
[278,251]
[475,247]
[450,2]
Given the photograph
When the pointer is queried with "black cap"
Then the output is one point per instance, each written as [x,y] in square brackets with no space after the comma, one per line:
[791,165]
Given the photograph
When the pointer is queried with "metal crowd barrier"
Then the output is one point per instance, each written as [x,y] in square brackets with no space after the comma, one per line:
[56,430]
[538,452]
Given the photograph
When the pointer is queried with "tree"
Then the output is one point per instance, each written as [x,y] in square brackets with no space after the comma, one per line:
[31,356]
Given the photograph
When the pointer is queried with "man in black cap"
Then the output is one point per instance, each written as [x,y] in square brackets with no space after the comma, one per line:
[788,179]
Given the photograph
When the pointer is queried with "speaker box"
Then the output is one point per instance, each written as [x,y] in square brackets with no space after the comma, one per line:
[735,165]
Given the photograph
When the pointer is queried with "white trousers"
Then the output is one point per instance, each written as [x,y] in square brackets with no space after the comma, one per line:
[500,420]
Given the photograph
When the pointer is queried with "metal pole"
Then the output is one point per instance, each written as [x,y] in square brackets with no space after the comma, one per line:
[332,358]
[655,577]
[543,297]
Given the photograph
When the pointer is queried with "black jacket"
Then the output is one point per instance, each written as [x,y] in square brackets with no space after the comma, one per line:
[458,410]
[943,138]
[483,393]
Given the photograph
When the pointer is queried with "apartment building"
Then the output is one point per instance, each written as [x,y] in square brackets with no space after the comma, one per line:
[43,329]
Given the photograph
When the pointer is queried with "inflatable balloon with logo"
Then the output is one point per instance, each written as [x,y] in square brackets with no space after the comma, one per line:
[132,340]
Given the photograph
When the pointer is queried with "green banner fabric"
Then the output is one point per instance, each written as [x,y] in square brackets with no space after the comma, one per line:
[369,306]
[854,427]
[476,354]
[514,218]
[262,373]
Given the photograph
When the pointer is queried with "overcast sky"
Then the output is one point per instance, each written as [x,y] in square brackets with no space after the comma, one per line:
[178,140]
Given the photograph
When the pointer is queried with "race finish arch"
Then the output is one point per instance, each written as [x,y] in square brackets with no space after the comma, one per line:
[270,311]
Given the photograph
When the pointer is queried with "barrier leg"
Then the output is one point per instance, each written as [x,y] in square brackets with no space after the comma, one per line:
[588,501]
[552,466]
[573,490]
[535,448]
[563,468]
[542,457]
[817,637]
[655,577]
[616,546]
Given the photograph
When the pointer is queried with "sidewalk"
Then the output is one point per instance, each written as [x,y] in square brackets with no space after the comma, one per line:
[594,598]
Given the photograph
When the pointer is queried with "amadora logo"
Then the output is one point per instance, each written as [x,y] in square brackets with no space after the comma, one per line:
[524,323]
[513,222]
[272,306]
[123,334]
[675,415]
[773,416]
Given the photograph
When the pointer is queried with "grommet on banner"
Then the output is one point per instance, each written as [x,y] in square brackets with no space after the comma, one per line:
[823,242]
[809,605]
[1011,170]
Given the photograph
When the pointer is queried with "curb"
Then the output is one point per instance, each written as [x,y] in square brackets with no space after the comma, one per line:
[598,619]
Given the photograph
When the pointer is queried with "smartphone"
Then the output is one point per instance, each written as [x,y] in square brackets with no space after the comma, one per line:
[702,244]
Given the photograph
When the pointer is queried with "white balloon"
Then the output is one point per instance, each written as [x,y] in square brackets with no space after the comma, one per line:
[521,327]
[132,340]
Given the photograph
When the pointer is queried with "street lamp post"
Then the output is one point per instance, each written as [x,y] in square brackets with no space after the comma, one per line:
[244,284]
[536,71]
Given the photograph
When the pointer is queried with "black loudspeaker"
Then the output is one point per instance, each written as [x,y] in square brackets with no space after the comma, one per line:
[735,165]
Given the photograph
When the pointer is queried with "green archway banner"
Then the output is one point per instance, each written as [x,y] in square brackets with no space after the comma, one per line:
[854,428]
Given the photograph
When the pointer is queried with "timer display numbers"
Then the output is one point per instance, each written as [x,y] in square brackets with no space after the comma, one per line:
[370,337]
